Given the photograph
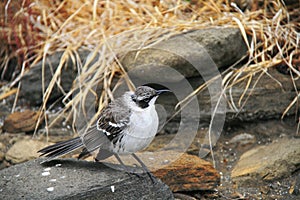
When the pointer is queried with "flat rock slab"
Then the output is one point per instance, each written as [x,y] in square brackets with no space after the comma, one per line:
[72,179]
[268,162]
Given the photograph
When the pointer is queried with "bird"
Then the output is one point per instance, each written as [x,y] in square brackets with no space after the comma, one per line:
[125,126]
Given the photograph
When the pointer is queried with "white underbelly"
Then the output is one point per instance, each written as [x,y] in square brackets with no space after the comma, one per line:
[139,135]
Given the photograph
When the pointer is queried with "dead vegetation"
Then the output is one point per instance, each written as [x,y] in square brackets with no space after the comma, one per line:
[33,29]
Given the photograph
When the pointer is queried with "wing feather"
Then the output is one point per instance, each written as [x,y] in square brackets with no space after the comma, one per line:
[112,121]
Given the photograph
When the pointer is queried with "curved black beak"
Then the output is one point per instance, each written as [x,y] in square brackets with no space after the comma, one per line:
[158,92]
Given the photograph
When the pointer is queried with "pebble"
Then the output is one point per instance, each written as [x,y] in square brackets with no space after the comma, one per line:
[112,188]
[46,173]
[243,138]
[50,189]
[47,169]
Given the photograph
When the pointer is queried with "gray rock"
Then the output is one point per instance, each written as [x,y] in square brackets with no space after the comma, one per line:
[71,179]
[31,82]
[268,162]
[224,45]
[183,52]
[259,101]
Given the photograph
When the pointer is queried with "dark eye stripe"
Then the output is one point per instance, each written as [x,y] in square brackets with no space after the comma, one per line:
[147,100]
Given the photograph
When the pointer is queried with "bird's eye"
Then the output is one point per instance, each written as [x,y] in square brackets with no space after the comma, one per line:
[133,97]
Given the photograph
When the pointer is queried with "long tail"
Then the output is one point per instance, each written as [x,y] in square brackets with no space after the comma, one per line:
[61,148]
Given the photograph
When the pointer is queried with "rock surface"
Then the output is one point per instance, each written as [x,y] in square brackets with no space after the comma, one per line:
[258,102]
[31,82]
[189,173]
[24,150]
[180,171]
[22,121]
[72,179]
[268,162]
[223,45]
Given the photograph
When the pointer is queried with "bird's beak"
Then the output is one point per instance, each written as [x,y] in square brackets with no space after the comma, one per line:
[158,92]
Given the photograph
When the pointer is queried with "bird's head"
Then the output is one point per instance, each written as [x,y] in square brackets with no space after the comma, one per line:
[145,96]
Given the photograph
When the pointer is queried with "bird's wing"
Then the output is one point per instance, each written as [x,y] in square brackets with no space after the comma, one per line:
[110,124]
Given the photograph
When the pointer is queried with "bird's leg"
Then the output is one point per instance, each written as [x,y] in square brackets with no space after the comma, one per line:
[127,169]
[145,168]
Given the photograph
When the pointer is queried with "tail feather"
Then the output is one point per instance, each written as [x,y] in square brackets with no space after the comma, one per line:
[61,148]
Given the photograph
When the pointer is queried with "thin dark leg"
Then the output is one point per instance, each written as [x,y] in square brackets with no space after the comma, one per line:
[119,159]
[144,167]
[127,169]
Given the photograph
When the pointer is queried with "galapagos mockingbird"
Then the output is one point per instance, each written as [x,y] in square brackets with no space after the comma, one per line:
[125,126]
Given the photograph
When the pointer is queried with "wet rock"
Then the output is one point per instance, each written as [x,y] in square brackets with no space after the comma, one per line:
[278,159]
[24,150]
[72,179]
[223,45]
[22,121]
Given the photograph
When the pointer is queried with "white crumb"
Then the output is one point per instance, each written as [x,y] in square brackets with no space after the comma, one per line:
[52,180]
[50,189]
[112,188]
[58,165]
[45,173]
[47,169]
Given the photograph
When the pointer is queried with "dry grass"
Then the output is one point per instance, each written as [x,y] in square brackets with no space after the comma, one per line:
[34,29]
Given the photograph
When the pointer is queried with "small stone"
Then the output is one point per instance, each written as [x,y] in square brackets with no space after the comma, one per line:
[243,138]
[47,169]
[50,189]
[112,188]
[45,173]
[24,150]
[2,146]
[2,150]
[22,121]
[2,156]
